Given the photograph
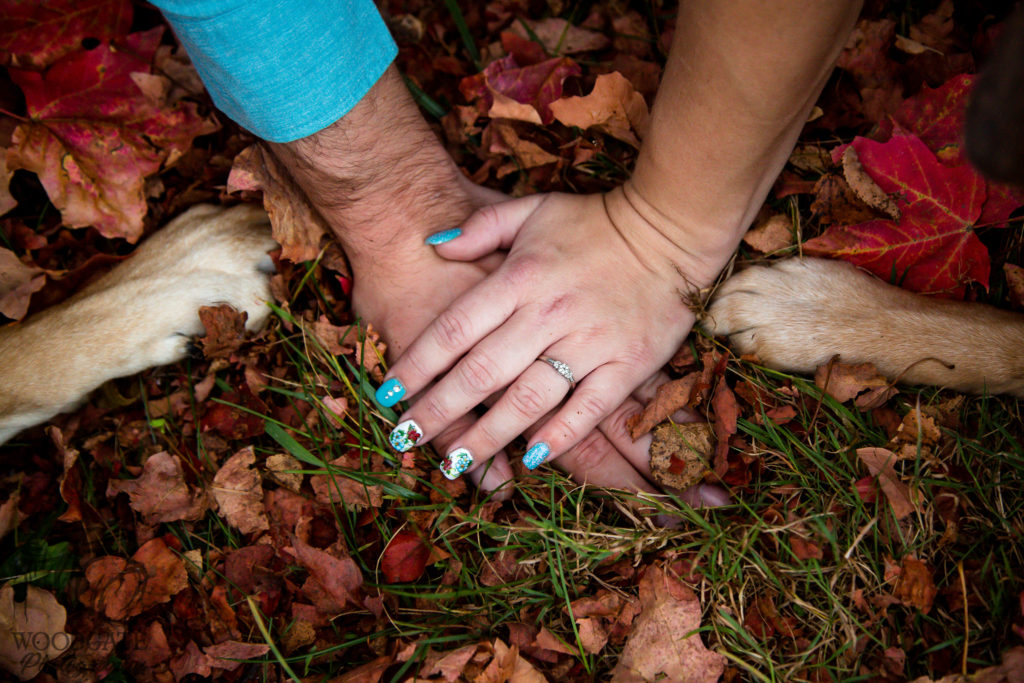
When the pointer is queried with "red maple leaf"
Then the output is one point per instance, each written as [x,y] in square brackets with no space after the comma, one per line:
[98,125]
[537,85]
[932,248]
[35,34]
[405,558]
[936,116]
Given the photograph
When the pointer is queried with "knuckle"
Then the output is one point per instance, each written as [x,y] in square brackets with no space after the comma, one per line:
[614,426]
[558,306]
[452,328]
[592,452]
[433,410]
[591,407]
[488,442]
[522,271]
[526,401]
[477,373]
[638,353]
[489,216]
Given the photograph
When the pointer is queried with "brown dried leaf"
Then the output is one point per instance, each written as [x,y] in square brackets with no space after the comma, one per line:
[225,330]
[40,613]
[559,37]
[865,187]
[337,487]
[223,655]
[295,225]
[663,643]
[915,586]
[504,140]
[613,107]
[879,462]
[593,635]
[238,493]
[862,382]
[770,235]
[338,577]
[285,470]
[449,665]
[17,284]
[680,453]
[160,494]
[670,397]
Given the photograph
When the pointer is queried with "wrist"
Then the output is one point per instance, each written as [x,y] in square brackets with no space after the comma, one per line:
[692,250]
[378,171]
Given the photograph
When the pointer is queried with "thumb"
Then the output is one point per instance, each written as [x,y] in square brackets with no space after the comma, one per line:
[491,227]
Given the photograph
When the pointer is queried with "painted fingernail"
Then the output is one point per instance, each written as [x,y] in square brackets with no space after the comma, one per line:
[443,236]
[390,393]
[455,463]
[537,454]
[406,435]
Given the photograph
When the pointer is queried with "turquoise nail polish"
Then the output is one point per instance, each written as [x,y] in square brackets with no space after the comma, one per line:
[443,236]
[390,393]
[537,454]
[406,435]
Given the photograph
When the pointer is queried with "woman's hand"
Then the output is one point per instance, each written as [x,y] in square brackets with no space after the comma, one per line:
[587,282]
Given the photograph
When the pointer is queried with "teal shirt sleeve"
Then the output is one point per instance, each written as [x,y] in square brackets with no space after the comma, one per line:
[283,69]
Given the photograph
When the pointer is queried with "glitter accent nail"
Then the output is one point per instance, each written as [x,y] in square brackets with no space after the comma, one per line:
[455,463]
[537,454]
[390,393]
[406,435]
[443,236]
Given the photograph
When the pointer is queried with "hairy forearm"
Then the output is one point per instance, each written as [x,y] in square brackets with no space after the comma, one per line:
[370,171]
[741,79]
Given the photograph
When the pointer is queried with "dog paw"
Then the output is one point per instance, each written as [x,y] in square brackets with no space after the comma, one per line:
[207,256]
[798,313]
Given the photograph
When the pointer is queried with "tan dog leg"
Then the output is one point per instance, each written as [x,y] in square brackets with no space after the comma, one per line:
[797,314]
[139,315]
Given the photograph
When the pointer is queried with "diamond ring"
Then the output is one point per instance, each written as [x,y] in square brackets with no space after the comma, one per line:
[562,369]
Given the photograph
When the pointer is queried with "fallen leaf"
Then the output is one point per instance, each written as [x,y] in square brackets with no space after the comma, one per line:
[93,136]
[680,453]
[669,397]
[238,492]
[338,577]
[285,470]
[613,107]
[449,665]
[294,224]
[861,382]
[804,549]
[17,284]
[503,139]
[771,234]
[405,557]
[726,417]
[36,34]
[519,670]
[222,654]
[536,85]
[933,247]
[371,672]
[160,493]
[559,37]
[224,330]
[915,586]
[31,631]
[338,487]
[879,462]
[664,642]
[593,636]
[148,646]
[865,58]
[120,588]
[866,189]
